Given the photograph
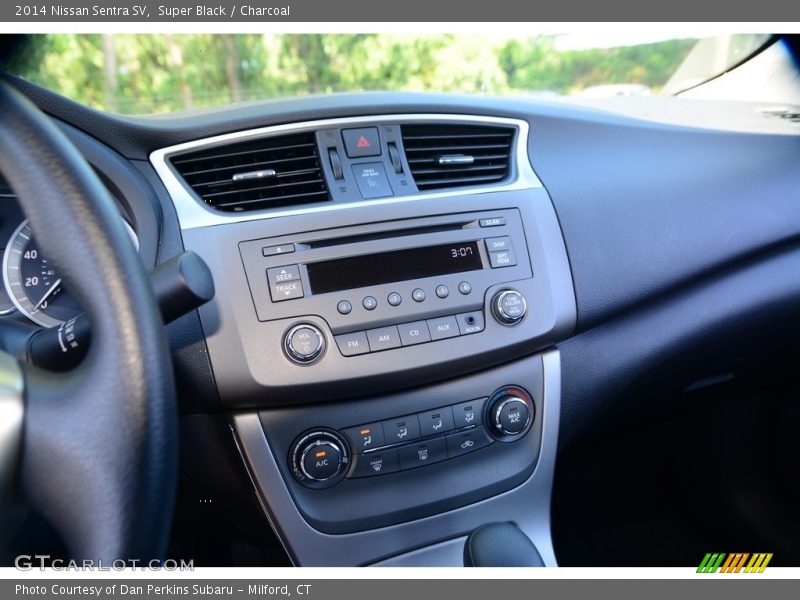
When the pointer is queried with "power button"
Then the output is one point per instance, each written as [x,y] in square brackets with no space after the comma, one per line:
[304,343]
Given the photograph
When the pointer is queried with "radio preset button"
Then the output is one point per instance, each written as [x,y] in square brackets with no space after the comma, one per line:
[394,299]
[443,328]
[352,344]
[464,287]
[418,295]
[471,322]
[442,291]
[344,307]
[492,222]
[503,258]
[383,338]
[498,243]
[414,333]
[369,302]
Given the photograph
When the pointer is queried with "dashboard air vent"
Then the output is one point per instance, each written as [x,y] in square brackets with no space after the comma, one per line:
[264,173]
[445,155]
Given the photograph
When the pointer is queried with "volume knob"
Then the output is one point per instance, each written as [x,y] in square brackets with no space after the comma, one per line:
[509,307]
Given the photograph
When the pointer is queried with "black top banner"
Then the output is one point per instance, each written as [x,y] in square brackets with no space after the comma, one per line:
[366,11]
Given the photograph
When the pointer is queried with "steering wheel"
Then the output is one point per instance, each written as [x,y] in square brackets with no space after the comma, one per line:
[96,447]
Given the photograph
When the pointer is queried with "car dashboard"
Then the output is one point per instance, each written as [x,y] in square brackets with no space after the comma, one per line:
[421,299]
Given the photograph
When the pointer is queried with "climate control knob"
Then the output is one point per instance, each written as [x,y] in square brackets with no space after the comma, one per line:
[320,459]
[509,307]
[510,412]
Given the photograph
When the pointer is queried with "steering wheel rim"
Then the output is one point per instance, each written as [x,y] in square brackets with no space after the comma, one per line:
[98,452]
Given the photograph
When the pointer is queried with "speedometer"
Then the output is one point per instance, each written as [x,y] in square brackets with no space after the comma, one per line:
[32,283]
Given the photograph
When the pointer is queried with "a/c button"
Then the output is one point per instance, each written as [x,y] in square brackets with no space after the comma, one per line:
[414,333]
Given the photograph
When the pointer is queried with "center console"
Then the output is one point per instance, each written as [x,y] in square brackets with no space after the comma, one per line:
[387,359]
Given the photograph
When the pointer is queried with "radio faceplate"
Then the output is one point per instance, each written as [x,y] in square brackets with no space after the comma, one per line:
[387,273]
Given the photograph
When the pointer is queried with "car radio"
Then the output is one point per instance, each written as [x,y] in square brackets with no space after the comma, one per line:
[389,285]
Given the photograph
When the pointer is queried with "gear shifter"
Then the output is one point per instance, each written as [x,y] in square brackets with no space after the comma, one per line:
[500,545]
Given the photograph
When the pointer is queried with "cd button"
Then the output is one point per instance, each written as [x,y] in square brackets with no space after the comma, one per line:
[418,295]
[414,333]
[370,302]
[442,291]
[383,338]
[443,328]
[394,299]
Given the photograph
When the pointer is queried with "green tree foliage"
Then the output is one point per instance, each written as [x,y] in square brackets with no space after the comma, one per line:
[164,73]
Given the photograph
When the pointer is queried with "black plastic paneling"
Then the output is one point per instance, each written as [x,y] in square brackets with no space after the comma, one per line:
[646,208]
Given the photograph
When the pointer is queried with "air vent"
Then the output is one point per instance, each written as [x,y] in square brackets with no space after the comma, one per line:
[265,173]
[446,156]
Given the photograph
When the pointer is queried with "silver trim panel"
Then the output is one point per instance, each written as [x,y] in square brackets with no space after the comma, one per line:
[192,213]
[308,547]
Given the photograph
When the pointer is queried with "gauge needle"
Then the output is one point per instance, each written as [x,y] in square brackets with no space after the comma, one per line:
[47,294]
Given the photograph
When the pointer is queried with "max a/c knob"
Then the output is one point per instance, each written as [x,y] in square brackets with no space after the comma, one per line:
[509,307]
[511,415]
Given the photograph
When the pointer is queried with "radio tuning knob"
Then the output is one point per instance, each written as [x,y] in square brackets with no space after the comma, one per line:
[509,307]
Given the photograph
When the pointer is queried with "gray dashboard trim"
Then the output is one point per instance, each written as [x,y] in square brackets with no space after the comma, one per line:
[193,214]
[527,505]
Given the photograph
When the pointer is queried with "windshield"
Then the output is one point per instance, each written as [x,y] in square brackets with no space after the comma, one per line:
[151,74]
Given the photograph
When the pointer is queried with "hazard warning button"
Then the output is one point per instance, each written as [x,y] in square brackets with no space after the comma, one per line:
[363,141]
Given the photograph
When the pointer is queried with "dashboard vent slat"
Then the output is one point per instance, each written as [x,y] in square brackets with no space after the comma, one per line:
[230,178]
[433,152]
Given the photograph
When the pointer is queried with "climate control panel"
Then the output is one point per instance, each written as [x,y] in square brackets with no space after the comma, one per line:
[322,457]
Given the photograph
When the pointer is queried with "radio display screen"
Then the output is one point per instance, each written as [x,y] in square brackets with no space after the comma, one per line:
[387,267]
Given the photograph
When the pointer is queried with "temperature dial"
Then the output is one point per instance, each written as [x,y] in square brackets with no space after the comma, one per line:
[320,459]
[510,412]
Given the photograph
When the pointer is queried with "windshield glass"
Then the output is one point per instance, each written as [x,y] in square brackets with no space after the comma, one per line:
[151,74]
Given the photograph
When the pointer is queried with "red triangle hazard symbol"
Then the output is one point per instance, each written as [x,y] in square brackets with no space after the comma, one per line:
[363,142]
